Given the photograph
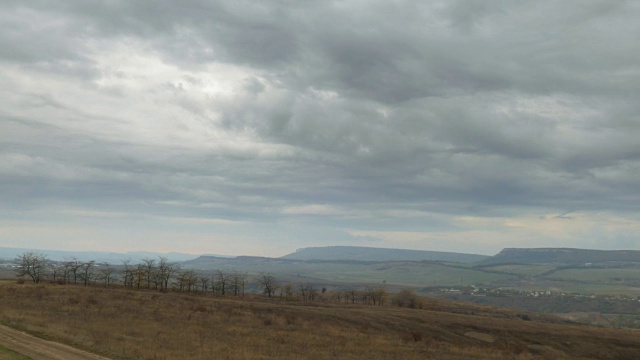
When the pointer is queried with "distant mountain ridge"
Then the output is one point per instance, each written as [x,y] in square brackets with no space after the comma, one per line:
[99,256]
[357,254]
[361,253]
[561,255]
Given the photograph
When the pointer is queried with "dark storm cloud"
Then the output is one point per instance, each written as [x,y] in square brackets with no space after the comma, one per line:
[353,110]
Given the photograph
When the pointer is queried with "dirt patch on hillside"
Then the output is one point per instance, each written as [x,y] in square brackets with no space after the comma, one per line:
[480,336]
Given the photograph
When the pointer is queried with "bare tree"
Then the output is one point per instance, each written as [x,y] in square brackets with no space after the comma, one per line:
[288,291]
[335,296]
[74,265]
[312,292]
[381,295]
[148,266]
[268,283]
[165,272]
[58,273]
[139,275]
[87,272]
[32,265]
[66,273]
[187,280]
[302,288]
[238,282]
[351,295]
[368,296]
[128,274]
[204,283]
[221,280]
[192,280]
[106,274]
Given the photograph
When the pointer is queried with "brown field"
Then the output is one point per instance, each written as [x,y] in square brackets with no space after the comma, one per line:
[128,324]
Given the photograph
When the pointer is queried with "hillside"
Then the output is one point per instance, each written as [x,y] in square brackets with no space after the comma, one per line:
[114,322]
[358,253]
[561,256]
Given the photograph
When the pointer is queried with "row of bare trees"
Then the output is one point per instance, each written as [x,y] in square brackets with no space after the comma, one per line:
[162,275]
[157,274]
[308,292]
[148,274]
[220,282]
[37,268]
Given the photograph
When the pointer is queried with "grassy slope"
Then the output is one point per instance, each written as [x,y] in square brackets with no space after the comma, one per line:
[598,275]
[528,270]
[129,324]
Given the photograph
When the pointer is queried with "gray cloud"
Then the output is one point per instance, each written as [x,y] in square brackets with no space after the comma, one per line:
[396,116]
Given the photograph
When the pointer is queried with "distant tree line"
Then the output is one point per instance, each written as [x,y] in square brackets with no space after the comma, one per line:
[162,275]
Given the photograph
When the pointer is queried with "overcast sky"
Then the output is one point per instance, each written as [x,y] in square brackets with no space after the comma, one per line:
[258,127]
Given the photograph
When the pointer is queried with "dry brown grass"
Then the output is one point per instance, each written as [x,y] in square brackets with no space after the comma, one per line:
[128,324]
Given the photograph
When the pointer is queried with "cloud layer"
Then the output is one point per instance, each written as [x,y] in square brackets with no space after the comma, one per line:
[256,128]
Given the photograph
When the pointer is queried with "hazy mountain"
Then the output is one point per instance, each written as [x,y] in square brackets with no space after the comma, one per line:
[99,256]
[358,253]
[562,255]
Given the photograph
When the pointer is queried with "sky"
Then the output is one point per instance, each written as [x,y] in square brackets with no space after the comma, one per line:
[260,127]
